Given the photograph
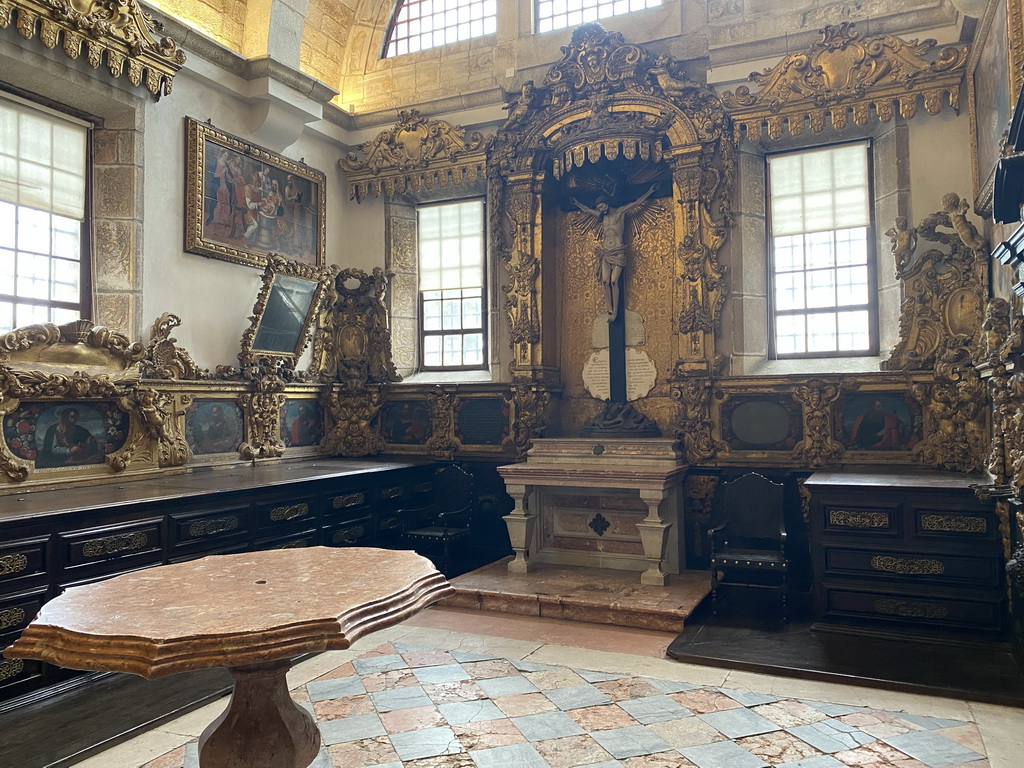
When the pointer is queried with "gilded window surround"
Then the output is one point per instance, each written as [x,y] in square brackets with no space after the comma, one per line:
[121,34]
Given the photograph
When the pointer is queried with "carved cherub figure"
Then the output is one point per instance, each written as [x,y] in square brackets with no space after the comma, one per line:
[904,241]
[519,108]
[957,210]
[995,329]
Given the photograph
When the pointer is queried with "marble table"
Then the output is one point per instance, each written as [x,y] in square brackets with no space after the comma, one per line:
[252,613]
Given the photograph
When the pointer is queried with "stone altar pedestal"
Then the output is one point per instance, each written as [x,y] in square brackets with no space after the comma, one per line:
[598,502]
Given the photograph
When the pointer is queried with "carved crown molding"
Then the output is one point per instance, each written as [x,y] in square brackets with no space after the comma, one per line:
[118,31]
[845,73]
[416,153]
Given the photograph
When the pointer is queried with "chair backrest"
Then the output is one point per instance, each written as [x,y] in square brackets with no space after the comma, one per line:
[453,490]
[754,506]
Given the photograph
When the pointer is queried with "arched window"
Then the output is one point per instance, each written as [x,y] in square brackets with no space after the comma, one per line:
[558,14]
[421,24]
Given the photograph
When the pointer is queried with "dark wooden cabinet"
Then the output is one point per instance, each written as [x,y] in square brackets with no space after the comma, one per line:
[52,540]
[905,549]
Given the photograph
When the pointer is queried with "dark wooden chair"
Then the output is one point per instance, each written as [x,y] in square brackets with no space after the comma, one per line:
[434,528]
[748,541]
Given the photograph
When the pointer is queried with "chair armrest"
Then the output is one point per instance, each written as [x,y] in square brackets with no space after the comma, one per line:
[718,528]
[416,517]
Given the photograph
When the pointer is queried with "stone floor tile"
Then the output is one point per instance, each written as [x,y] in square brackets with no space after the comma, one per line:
[821,761]
[332,709]
[385,681]
[351,729]
[459,712]
[173,759]
[488,734]
[628,688]
[412,719]
[400,698]
[345,670]
[966,736]
[687,732]
[462,690]
[722,754]
[507,686]
[300,696]
[426,742]
[789,713]
[482,670]
[428,658]
[736,723]
[525,704]
[877,755]
[778,747]
[383,663]
[530,666]
[512,756]
[365,752]
[655,709]
[702,701]
[748,699]
[460,760]
[602,718]
[598,677]
[824,736]
[671,686]
[547,725]
[833,710]
[933,749]
[577,696]
[671,759]
[571,751]
[929,723]
[336,688]
[462,656]
[631,742]
[445,673]
[548,679]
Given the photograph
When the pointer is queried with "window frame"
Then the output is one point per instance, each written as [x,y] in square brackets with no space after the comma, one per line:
[421,332]
[871,259]
[85,254]
[393,21]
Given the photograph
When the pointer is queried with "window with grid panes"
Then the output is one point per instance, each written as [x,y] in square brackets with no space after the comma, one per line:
[822,278]
[558,14]
[422,24]
[451,274]
[43,273]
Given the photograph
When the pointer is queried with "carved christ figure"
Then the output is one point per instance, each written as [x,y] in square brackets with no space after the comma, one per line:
[611,244]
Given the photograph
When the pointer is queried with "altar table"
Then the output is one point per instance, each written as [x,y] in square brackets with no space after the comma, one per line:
[252,613]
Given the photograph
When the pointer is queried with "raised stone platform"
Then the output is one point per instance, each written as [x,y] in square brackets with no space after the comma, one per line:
[577,593]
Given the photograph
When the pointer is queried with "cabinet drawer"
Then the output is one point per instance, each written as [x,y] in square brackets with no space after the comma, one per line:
[16,611]
[139,541]
[393,492]
[286,512]
[920,609]
[22,563]
[953,524]
[294,541]
[347,505]
[209,527]
[851,518]
[18,675]
[351,534]
[911,567]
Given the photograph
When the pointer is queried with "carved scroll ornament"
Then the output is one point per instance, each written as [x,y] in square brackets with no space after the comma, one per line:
[118,31]
[352,409]
[164,359]
[416,153]
[844,75]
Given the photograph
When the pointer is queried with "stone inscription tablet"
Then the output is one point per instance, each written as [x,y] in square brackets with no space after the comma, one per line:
[641,374]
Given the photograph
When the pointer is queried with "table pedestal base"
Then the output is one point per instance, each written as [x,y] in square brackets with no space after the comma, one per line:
[262,726]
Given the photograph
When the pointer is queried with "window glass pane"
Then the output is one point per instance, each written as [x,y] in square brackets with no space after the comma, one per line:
[6,316]
[30,314]
[33,230]
[789,291]
[851,286]
[820,252]
[821,288]
[472,313]
[854,331]
[7,266]
[432,351]
[33,276]
[64,285]
[7,223]
[432,315]
[851,246]
[451,318]
[422,25]
[65,236]
[473,349]
[570,13]
[821,332]
[61,316]
[452,350]
[789,253]
[790,334]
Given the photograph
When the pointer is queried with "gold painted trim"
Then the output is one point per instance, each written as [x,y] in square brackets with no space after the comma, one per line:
[11,617]
[11,668]
[954,523]
[120,32]
[112,545]
[913,609]
[11,564]
[292,512]
[844,76]
[908,566]
[212,526]
[851,519]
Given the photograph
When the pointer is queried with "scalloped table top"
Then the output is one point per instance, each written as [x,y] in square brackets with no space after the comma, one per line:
[231,610]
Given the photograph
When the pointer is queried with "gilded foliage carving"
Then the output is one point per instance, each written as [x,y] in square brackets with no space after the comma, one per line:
[120,32]
[416,153]
[530,418]
[164,359]
[442,442]
[695,426]
[262,410]
[818,447]
[845,75]
[352,408]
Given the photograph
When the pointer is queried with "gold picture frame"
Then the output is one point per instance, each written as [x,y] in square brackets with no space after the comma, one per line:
[244,202]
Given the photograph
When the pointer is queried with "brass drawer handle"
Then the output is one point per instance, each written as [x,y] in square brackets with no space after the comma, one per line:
[351,500]
[853,519]
[11,564]
[11,668]
[212,526]
[111,545]
[11,617]
[426,487]
[954,523]
[292,544]
[391,493]
[908,566]
[390,523]
[290,512]
[349,535]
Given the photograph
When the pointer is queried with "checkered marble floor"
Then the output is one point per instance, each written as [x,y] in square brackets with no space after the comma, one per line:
[403,705]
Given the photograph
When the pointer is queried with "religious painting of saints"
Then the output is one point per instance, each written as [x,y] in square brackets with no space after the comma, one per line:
[405,422]
[878,421]
[68,434]
[302,422]
[213,426]
[761,423]
[243,202]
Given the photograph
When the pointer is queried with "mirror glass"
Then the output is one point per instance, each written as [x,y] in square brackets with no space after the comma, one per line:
[288,306]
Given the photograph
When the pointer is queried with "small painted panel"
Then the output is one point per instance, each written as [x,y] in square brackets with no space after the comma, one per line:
[65,434]
[302,422]
[761,423]
[874,421]
[482,421]
[406,422]
[213,426]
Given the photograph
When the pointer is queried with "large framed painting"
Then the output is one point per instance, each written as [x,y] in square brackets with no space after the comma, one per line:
[878,421]
[243,202]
